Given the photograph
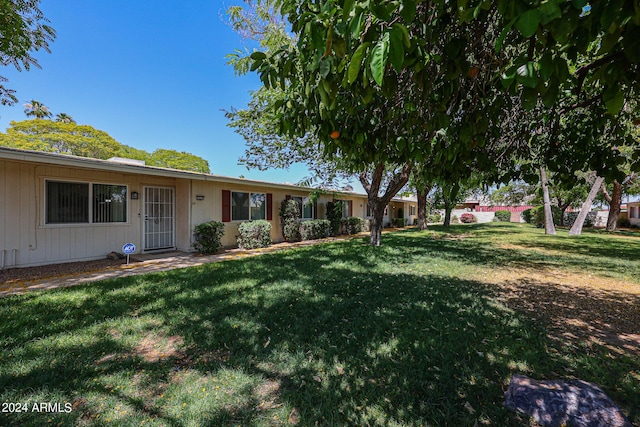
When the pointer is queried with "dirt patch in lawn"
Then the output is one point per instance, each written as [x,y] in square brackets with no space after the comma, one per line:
[578,309]
[28,274]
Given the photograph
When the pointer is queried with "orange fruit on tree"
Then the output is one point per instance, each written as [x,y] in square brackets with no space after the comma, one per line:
[335,134]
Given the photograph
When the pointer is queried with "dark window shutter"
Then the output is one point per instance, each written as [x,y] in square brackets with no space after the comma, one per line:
[226,206]
[351,208]
[269,206]
[315,210]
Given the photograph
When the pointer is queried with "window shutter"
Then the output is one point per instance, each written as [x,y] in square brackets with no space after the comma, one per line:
[351,208]
[315,210]
[226,206]
[269,206]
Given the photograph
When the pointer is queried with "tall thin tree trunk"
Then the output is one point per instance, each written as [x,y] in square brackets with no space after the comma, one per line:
[422,206]
[549,227]
[447,213]
[614,206]
[576,228]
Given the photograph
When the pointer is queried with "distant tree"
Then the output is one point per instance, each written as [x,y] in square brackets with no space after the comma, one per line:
[64,118]
[36,109]
[24,29]
[61,138]
[178,160]
[513,194]
[85,141]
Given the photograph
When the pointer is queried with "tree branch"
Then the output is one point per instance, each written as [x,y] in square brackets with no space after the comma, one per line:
[581,72]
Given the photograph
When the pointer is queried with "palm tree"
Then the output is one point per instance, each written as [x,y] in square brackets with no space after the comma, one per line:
[37,110]
[64,118]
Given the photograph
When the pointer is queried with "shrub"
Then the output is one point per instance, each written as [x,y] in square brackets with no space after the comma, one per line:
[623,221]
[503,216]
[208,237]
[400,213]
[289,220]
[254,234]
[468,218]
[415,221]
[315,229]
[401,222]
[537,215]
[334,215]
[366,226]
[526,215]
[570,218]
[454,220]
[435,218]
[352,224]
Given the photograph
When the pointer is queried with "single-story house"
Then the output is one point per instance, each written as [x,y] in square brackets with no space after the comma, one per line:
[59,208]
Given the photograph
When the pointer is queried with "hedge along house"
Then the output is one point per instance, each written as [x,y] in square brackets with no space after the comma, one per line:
[59,208]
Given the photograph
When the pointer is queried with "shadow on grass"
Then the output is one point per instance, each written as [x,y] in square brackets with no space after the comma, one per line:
[338,334]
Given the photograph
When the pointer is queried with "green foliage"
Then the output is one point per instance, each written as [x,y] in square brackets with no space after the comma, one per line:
[537,215]
[208,237]
[400,222]
[254,234]
[290,220]
[454,219]
[334,215]
[178,160]
[400,213]
[503,216]
[434,218]
[570,217]
[352,225]
[527,215]
[66,137]
[623,220]
[468,218]
[315,229]
[24,30]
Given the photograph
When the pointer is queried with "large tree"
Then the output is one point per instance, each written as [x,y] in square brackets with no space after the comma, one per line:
[86,141]
[375,82]
[24,30]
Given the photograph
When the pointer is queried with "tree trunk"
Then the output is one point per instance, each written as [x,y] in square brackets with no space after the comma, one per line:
[422,207]
[549,228]
[375,238]
[576,228]
[449,202]
[614,206]
[447,213]
[376,202]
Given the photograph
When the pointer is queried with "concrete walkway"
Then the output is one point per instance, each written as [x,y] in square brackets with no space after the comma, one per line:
[150,263]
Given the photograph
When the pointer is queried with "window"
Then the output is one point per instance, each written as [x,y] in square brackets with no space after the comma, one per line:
[258,206]
[68,202]
[305,207]
[248,206]
[412,209]
[109,203]
[346,208]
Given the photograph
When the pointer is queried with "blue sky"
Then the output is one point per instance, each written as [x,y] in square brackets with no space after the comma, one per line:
[151,74]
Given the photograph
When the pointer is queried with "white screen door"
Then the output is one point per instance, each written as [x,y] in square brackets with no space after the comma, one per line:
[159,209]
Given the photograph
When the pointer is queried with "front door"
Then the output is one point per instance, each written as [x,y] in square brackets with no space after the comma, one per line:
[159,218]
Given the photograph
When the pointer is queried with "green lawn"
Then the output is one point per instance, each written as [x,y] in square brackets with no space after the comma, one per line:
[424,330]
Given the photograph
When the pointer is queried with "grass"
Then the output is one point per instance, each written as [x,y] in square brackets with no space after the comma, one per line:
[425,330]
